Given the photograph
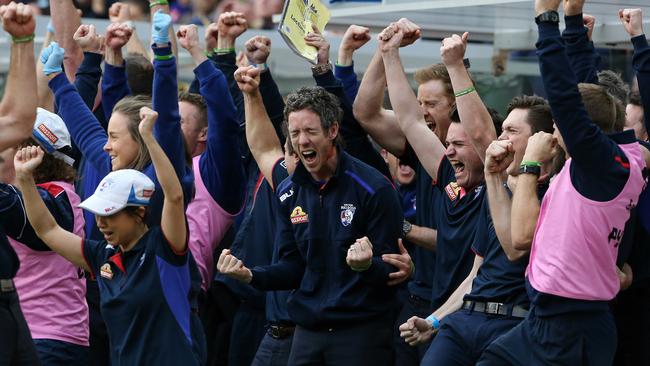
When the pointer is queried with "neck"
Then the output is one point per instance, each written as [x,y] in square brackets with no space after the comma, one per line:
[199,149]
[136,237]
[328,169]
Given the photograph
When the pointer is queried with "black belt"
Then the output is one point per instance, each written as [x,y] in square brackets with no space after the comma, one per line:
[280,331]
[7,286]
[495,308]
[418,299]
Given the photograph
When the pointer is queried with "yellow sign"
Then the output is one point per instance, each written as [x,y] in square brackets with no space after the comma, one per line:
[297,19]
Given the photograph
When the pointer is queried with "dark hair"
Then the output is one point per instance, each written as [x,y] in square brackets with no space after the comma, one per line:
[139,73]
[197,101]
[52,168]
[539,115]
[130,108]
[613,84]
[605,111]
[497,119]
[319,101]
[133,212]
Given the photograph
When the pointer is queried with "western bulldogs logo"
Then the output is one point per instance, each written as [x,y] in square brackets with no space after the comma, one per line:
[347,214]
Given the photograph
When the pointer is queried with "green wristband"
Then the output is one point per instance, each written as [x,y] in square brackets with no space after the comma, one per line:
[163,57]
[24,39]
[208,53]
[158,2]
[223,50]
[361,269]
[465,91]
[531,163]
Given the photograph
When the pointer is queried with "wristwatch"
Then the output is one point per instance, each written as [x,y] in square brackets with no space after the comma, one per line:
[530,169]
[550,16]
[320,69]
[406,228]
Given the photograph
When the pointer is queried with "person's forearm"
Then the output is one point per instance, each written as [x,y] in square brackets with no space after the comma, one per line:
[524,213]
[221,166]
[641,64]
[273,102]
[45,97]
[135,46]
[473,114]
[227,64]
[424,237]
[455,300]
[349,79]
[165,101]
[88,78]
[18,106]
[404,101]
[580,50]
[260,133]
[370,97]
[115,86]
[168,181]
[66,20]
[114,57]
[500,205]
[153,8]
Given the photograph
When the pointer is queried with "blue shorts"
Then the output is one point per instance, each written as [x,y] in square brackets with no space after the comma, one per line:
[576,338]
[53,352]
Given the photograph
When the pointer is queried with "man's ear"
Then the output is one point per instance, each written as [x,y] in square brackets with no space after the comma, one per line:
[203,135]
[334,131]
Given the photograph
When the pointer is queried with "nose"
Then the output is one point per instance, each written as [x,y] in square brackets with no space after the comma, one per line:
[107,146]
[450,151]
[303,139]
[503,136]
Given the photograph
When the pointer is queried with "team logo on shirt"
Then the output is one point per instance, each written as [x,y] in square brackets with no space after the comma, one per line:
[347,214]
[106,271]
[453,190]
[298,216]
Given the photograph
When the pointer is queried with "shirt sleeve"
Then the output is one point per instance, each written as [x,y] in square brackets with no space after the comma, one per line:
[114,87]
[94,254]
[580,50]
[641,65]
[164,250]
[446,174]
[349,79]
[279,173]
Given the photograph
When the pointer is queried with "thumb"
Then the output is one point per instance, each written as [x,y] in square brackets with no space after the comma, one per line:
[464,37]
[91,31]
[400,244]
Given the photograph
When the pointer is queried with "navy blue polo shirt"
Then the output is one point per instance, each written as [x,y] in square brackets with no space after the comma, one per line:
[317,224]
[498,279]
[457,217]
[276,301]
[147,299]
[9,263]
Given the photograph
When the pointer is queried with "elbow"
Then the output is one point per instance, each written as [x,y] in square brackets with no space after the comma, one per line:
[175,197]
[516,255]
[521,243]
[361,112]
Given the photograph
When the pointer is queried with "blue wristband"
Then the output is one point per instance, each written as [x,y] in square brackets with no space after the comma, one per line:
[435,323]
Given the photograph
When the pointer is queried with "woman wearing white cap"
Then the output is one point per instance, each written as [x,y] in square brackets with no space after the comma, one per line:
[143,273]
[51,290]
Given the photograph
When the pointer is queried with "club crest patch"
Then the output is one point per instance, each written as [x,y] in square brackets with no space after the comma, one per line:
[298,216]
[453,190]
[347,214]
[106,271]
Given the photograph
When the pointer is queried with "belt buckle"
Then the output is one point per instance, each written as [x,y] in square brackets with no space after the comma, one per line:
[275,331]
[7,286]
[493,307]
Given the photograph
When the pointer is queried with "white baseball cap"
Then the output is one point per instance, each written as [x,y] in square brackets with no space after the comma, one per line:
[121,188]
[51,134]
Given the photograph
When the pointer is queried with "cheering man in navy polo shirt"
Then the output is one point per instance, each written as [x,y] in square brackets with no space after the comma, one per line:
[337,216]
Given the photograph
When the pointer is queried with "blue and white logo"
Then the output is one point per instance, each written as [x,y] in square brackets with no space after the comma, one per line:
[347,214]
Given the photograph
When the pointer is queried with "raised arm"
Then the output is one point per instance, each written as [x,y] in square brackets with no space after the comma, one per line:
[221,167]
[260,134]
[577,36]
[409,115]
[114,82]
[66,20]
[63,242]
[525,204]
[85,130]
[18,106]
[172,223]
[354,38]
[474,117]
[632,20]
[121,13]
[498,157]
[89,73]
[161,30]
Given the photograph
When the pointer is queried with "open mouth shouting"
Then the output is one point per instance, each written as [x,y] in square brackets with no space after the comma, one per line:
[309,156]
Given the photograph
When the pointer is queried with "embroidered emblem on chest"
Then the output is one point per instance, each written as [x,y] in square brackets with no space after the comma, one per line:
[347,214]
[298,216]
[106,271]
[453,191]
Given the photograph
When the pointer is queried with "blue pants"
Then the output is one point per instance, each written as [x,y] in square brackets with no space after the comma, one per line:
[464,335]
[99,345]
[16,346]
[248,329]
[56,353]
[577,338]
[273,352]
[406,355]
[367,344]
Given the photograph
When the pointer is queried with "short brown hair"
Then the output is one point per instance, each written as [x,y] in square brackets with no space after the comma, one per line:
[52,169]
[605,111]
[197,101]
[139,73]
[318,100]
[539,115]
[130,108]
[436,72]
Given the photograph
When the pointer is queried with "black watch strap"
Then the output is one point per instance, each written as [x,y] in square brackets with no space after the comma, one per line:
[550,16]
[530,169]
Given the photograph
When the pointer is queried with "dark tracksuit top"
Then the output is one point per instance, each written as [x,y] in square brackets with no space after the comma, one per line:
[600,169]
[91,137]
[317,224]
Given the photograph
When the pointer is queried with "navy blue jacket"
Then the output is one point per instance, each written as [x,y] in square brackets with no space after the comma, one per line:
[317,224]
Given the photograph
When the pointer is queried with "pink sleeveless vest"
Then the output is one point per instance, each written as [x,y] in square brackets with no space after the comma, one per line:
[576,240]
[52,293]
[208,224]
